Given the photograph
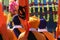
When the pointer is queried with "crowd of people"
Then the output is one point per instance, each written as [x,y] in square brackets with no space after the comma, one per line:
[23,29]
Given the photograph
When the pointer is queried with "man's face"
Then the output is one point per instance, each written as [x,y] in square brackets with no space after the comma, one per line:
[22,13]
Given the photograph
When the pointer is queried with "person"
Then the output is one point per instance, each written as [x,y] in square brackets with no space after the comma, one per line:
[21,14]
[17,21]
[43,29]
[13,9]
[43,24]
[33,34]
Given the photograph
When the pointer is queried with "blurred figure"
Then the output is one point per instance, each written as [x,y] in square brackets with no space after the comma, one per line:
[13,10]
[33,34]
[43,24]
[3,27]
[13,7]
[21,14]
[43,29]
[17,20]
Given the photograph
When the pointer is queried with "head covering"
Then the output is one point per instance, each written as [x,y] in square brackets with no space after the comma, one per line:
[34,22]
[12,6]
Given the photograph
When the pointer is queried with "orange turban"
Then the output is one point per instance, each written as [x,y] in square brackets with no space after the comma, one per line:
[34,22]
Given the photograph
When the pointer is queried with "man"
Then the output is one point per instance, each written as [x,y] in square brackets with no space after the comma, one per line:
[17,21]
[21,14]
[13,9]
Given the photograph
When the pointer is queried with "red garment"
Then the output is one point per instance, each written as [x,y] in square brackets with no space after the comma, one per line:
[3,28]
[1,9]
[12,6]
[22,3]
[25,22]
[58,23]
[2,17]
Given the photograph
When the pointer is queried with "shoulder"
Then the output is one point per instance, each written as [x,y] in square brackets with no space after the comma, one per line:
[15,16]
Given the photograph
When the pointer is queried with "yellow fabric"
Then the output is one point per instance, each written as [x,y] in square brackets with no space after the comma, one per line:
[38,8]
[55,18]
[53,7]
[54,0]
[43,9]
[33,8]
[47,17]
[38,1]
[34,21]
[29,9]
[47,7]
[47,0]
[56,8]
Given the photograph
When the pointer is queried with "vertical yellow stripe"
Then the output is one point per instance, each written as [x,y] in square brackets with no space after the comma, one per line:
[29,9]
[47,17]
[56,17]
[56,8]
[38,8]
[38,1]
[47,7]
[53,7]
[43,9]
[47,10]
[47,0]
[33,8]
[54,0]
